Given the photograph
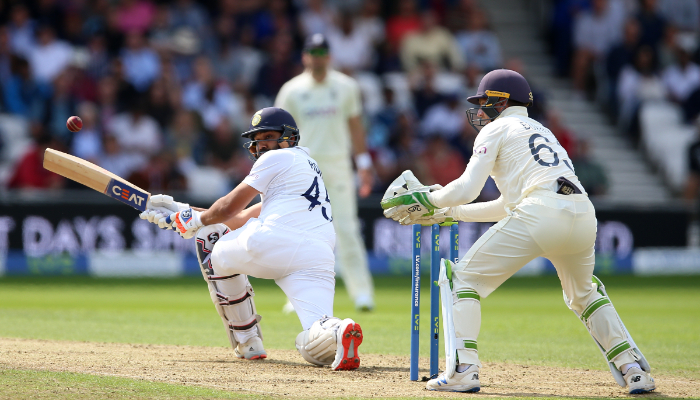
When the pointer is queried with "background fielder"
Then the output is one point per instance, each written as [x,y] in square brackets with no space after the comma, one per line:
[287,237]
[328,108]
[542,212]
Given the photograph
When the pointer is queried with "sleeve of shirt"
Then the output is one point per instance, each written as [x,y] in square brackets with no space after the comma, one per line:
[267,168]
[490,211]
[467,187]
[353,103]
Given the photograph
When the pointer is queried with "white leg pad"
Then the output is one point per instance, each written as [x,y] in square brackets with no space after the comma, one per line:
[610,354]
[232,295]
[318,344]
[448,326]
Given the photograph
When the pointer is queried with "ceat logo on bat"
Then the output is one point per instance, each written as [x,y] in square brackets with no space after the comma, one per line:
[126,194]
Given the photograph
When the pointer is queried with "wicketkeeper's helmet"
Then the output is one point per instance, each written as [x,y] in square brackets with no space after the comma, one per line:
[271,119]
[500,83]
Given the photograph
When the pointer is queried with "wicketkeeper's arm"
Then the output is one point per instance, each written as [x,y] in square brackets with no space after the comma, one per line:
[467,187]
[490,211]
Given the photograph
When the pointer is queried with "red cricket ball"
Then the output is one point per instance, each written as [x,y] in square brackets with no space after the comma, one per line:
[74,124]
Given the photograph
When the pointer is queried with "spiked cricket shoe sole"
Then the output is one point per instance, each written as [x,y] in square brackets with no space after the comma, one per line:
[347,356]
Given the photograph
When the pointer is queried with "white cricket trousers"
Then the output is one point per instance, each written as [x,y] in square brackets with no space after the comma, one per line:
[558,227]
[351,255]
[300,262]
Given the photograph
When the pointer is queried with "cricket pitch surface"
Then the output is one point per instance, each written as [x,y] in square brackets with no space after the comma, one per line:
[285,373]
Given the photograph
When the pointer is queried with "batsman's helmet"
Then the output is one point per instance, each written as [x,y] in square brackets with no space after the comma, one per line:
[271,119]
[497,84]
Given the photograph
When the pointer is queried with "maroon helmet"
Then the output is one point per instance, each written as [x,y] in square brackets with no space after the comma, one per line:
[502,84]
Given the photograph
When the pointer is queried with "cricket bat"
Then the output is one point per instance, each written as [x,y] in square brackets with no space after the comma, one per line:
[96,178]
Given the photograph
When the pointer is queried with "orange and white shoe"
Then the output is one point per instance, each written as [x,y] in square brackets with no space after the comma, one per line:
[349,338]
[251,350]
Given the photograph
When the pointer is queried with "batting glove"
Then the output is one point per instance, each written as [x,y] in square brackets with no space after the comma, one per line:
[160,206]
[186,222]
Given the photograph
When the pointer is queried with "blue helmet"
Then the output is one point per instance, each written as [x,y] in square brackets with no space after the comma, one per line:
[499,83]
[271,119]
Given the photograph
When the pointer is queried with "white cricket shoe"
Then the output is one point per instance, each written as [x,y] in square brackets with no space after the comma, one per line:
[467,381]
[364,303]
[349,338]
[251,350]
[638,381]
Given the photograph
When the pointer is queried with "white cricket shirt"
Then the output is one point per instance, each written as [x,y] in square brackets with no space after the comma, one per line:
[519,153]
[293,192]
[321,111]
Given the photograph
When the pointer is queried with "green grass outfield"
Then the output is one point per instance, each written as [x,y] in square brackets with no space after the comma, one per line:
[524,322]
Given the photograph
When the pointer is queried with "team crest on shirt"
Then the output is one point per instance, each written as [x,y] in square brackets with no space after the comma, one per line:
[480,150]
[256,119]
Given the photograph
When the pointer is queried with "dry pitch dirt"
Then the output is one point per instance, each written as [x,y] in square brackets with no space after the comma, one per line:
[285,373]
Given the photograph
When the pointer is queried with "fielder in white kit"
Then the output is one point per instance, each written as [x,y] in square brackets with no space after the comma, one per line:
[328,108]
[543,211]
[288,237]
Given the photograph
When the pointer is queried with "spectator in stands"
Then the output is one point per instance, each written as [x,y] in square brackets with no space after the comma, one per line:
[692,188]
[383,122]
[49,57]
[159,104]
[621,55]
[55,111]
[595,31]
[424,93]
[134,15]
[223,150]
[87,143]
[98,59]
[350,46]
[316,18]
[239,63]
[405,21]
[21,29]
[683,14]
[446,119]
[591,175]
[116,161]
[185,138]
[29,172]
[480,46]
[370,22]
[459,15]
[212,99]
[278,69]
[141,65]
[19,90]
[652,23]
[566,138]
[431,43]
[443,163]
[638,83]
[137,133]
[404,152]
[160,175]
[107,100]
[682,78]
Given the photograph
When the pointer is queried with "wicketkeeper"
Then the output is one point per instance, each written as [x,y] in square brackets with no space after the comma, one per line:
[543,212]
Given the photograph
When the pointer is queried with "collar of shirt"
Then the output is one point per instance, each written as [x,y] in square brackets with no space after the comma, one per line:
[513,110]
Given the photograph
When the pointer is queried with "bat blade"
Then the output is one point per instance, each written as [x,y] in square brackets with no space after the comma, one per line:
[96,178]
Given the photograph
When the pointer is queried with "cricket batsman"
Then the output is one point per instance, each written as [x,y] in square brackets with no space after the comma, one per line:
[543,212]
[287,237]
[328,108]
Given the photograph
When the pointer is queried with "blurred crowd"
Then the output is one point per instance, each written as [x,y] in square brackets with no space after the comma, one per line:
[627,52]
[164,88]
